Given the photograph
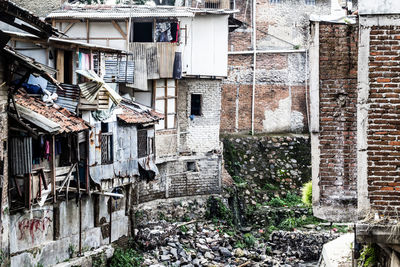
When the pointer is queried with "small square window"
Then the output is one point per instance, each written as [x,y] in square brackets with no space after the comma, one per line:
[274,1]
[191,166]
[195,105]
[310,2]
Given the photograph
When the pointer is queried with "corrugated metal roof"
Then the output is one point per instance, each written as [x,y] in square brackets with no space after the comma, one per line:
[61,41]
[120,12]
[67,98]
[62,121]
[91,89]
[134,113]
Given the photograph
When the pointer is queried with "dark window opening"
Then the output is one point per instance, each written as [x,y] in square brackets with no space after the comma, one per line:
[142,143]
[195,105]
[212,4]
[191,166]
[106,144]
[142,32]
[68,72]
[146,175]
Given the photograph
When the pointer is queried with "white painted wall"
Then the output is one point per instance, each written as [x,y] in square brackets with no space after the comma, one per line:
[207,45]
[366,7]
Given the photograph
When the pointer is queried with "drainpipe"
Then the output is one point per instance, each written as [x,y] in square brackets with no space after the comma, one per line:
[254,66]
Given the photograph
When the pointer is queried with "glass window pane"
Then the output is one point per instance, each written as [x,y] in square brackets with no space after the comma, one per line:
[160,83]
[171,91]
[160,106]
[171,83]
[160,92]
[171,105]
[171,121]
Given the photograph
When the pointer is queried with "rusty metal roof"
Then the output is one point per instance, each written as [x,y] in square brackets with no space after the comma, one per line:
[120,12]
[66,121]
[134,113]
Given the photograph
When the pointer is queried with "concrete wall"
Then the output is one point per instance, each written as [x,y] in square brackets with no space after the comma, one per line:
[384,7]
[334,121]
[49,235]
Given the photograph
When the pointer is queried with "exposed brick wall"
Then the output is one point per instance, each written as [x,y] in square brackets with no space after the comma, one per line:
[384,120]
[279,77]
[338,120]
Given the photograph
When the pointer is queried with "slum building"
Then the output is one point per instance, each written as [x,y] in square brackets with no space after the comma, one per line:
[179,56]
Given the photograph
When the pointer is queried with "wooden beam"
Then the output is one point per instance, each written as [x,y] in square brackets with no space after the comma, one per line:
[69,26]
[87,31]
[53,167]
[118,28]
[60,65]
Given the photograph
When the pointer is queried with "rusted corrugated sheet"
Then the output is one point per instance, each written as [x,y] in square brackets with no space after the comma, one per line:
[152,62]
[136,114]
[139,56]
[166,57]
[21,155]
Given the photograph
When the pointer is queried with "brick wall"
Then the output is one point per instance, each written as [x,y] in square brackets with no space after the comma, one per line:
[338,121]
[384,120]
[280,94]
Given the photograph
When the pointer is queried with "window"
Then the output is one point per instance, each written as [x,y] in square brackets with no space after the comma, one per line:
[145,143]
[274,1]
[195,105]
[310,2]
[191,166]
[106,144]
[165,102]
[142,32]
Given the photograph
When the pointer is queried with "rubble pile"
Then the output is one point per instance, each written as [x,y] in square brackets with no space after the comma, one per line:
[207,244]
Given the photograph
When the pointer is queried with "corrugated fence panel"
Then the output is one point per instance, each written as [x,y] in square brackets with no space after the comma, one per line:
[152,62]
[166,57]
[139,51]
[21,155]
[67,98]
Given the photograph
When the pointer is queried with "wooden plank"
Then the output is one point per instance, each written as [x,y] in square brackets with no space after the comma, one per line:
[53,168]
[118,28]
[87,31]
[60,65]
[68,177]
[62,170]
[69,26]
[39,120]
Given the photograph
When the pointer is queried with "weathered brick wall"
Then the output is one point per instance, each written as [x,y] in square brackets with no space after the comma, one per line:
[280,94]
[384,120]
[338,56]
[201,134]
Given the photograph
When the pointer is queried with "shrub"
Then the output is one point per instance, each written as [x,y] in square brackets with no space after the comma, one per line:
[126,258]
[249,240]
[307,194]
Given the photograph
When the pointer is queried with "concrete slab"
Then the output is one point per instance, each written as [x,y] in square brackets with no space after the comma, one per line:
[337,253]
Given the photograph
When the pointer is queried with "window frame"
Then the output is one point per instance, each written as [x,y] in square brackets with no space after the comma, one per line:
[310,2]
[165,98]
[107,147]
[201,104]
[274,1]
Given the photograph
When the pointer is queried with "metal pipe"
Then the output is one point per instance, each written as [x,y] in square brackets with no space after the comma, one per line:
[254,66]
[266,52]
[108,194]
[109,238]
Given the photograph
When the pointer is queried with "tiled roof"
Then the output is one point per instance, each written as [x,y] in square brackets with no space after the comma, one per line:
[60,116]
[134,113]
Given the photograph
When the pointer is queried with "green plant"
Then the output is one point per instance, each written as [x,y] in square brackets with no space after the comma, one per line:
[239,244]
[276,202]
[39,265]
[296,47]
[99,260]
[249,240]
[126,258]
[71,250]
[289,223]
[307,194]
[217,210]
[183,228]
[368,257]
